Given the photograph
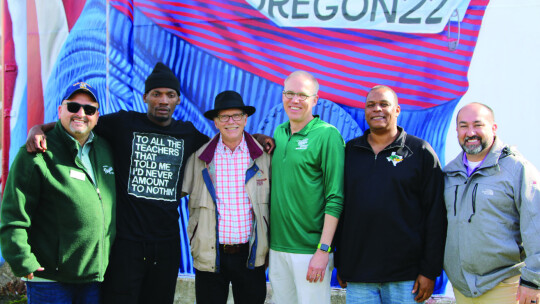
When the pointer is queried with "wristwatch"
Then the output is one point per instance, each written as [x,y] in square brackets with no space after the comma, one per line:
[324,247]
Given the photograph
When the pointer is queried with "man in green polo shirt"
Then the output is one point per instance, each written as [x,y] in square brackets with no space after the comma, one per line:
[307,197]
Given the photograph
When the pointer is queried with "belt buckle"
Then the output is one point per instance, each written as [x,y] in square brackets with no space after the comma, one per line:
[231,248]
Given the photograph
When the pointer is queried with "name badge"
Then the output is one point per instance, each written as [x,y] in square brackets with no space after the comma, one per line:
[77,174]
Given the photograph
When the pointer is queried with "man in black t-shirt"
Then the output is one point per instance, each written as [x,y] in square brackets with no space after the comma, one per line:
[149,156]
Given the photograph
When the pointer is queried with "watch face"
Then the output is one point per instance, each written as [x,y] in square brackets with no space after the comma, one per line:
[324,247]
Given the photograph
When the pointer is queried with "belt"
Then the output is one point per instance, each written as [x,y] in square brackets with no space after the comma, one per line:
[234,248]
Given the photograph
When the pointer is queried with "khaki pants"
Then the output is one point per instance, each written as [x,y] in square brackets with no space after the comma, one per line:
[504,293]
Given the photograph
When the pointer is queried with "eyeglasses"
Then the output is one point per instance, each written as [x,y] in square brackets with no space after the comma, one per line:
[235,117]
[74,107]
[301,96]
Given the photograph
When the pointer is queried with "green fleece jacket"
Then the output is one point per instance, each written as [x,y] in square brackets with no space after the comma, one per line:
[54,216]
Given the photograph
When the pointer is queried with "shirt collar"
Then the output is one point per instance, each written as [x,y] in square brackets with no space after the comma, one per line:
[221,147]
[470,170]
[305,130]
[88,140]
[207,153]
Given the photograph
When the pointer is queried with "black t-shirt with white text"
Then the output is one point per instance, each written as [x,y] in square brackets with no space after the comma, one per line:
[149,162]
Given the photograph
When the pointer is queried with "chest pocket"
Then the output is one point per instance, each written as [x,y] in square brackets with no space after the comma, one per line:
[496,201]
[452,187]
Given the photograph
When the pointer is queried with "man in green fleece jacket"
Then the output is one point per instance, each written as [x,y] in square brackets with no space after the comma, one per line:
[58,210]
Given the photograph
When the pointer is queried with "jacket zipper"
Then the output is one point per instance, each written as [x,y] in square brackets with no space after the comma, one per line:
[94,183]
[455,199]
[473,201]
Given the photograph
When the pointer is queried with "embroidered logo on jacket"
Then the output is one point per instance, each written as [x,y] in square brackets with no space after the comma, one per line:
[302,144]
[108,170]
[488,192]
[395,159]
[260,178]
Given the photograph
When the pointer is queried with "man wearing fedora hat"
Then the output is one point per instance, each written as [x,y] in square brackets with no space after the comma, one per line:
[228,180]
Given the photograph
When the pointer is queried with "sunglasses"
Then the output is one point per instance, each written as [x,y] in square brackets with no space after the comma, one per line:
[74,107]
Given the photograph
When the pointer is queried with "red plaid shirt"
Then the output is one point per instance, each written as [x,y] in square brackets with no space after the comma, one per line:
[234,207]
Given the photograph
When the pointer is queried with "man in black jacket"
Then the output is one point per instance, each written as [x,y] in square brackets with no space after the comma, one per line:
[391,239]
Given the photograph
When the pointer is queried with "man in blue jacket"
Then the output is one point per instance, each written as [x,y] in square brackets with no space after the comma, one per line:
[58,211]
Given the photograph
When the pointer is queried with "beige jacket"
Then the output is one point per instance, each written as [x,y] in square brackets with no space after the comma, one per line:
[202,227]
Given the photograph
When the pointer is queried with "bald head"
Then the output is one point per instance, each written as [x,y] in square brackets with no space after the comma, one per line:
[384,88]
[304,76]
[476,130]
[382,111]
[477,106]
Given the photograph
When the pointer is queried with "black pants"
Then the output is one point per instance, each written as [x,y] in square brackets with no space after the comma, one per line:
[142,272]
[248,285]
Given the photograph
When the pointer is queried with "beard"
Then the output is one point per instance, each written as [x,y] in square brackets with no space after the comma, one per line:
[160,118]
[475,149]
[79,129]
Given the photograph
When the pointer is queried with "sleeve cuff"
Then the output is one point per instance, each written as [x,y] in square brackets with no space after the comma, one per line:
[528,284]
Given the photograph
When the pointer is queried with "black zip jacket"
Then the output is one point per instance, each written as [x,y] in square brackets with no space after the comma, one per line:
[393,226]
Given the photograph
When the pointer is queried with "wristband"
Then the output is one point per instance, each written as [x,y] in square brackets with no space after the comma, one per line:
[324,247]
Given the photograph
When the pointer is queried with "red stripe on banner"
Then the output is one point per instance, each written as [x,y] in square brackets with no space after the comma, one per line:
[33,57]
[476,12]
[73,9]
[9,75]
[128,3]
[479,3]
[455,29]
[443,37]
[472,21]
[126,9]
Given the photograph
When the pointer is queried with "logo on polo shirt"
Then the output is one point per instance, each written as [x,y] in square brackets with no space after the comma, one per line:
[108,170]
[395,159]
[302,144]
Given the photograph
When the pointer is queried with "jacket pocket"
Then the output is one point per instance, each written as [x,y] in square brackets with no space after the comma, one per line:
[202,231]
[193,222]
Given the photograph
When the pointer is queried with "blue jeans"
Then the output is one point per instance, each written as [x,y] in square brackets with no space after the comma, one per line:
[380,293]
[63,293]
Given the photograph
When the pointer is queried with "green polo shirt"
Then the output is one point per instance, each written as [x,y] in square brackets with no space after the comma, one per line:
[307,183]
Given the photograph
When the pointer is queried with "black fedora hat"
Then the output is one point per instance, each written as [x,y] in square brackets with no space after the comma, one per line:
[228,100]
